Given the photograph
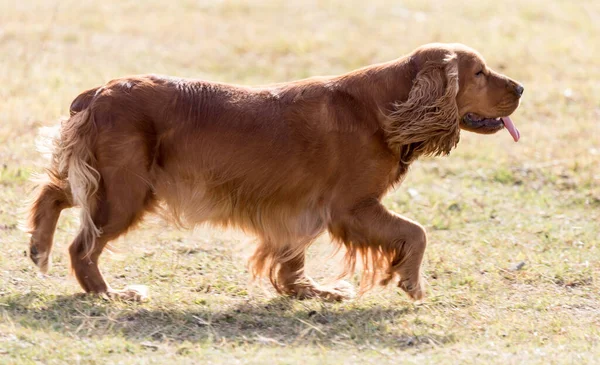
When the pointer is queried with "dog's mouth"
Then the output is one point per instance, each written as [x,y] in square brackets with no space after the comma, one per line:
[478,124]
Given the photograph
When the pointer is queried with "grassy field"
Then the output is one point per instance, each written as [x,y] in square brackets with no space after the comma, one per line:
[513,262]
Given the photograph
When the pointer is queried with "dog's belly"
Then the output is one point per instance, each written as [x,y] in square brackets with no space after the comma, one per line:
[261,187]
[191,201]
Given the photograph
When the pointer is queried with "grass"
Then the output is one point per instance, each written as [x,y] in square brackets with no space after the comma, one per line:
[513,263]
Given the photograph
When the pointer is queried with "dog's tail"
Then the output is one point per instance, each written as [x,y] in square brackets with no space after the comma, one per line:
[72,180]
[76,160]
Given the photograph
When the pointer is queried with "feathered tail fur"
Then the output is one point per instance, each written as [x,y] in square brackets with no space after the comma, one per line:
[72,180]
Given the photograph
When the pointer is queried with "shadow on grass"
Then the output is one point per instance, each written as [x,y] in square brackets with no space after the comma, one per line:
[278,322]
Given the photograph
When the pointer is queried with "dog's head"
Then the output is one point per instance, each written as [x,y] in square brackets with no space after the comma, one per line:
[484,99]
[452,89]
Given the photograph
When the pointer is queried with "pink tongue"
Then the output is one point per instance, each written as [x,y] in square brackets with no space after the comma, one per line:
[514,132]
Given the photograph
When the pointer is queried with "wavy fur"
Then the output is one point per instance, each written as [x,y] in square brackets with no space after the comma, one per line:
[76,160]
[429,119]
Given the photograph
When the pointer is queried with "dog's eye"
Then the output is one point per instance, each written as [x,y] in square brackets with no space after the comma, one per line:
[479,73]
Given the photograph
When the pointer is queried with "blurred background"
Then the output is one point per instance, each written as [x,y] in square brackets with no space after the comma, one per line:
[51,50]
[513,227]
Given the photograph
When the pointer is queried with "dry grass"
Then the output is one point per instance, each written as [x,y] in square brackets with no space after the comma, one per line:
[489,206]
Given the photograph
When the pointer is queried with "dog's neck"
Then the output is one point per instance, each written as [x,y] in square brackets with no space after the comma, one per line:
[409,132]
[381,86]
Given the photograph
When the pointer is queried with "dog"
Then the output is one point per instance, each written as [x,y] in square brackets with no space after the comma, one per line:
[284,162]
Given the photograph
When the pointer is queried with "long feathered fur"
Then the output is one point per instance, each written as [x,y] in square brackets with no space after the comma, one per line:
[69,180]
[429,119]
[75,161]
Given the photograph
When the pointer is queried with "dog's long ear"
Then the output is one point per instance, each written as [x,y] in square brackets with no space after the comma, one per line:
[427,123]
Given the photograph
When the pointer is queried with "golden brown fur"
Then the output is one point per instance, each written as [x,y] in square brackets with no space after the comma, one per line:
[284,162]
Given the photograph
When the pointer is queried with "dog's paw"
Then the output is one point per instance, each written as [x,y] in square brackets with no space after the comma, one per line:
[41,259]
[344,289]
[132,293]
[416,291]
[336,292]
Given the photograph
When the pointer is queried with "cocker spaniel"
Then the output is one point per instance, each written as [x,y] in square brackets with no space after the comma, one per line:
[284,162]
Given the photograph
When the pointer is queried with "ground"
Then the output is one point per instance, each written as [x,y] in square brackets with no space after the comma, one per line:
[513,261]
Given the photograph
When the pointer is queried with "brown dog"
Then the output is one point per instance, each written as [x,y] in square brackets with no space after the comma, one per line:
[285,162]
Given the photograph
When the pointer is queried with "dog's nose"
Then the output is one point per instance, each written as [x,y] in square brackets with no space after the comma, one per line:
[519,89]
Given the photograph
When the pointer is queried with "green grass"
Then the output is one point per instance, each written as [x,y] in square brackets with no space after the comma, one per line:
[488,207]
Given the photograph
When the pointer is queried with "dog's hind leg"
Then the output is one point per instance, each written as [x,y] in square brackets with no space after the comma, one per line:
[51,200]
[292,280]
[285,266]
[122,199]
